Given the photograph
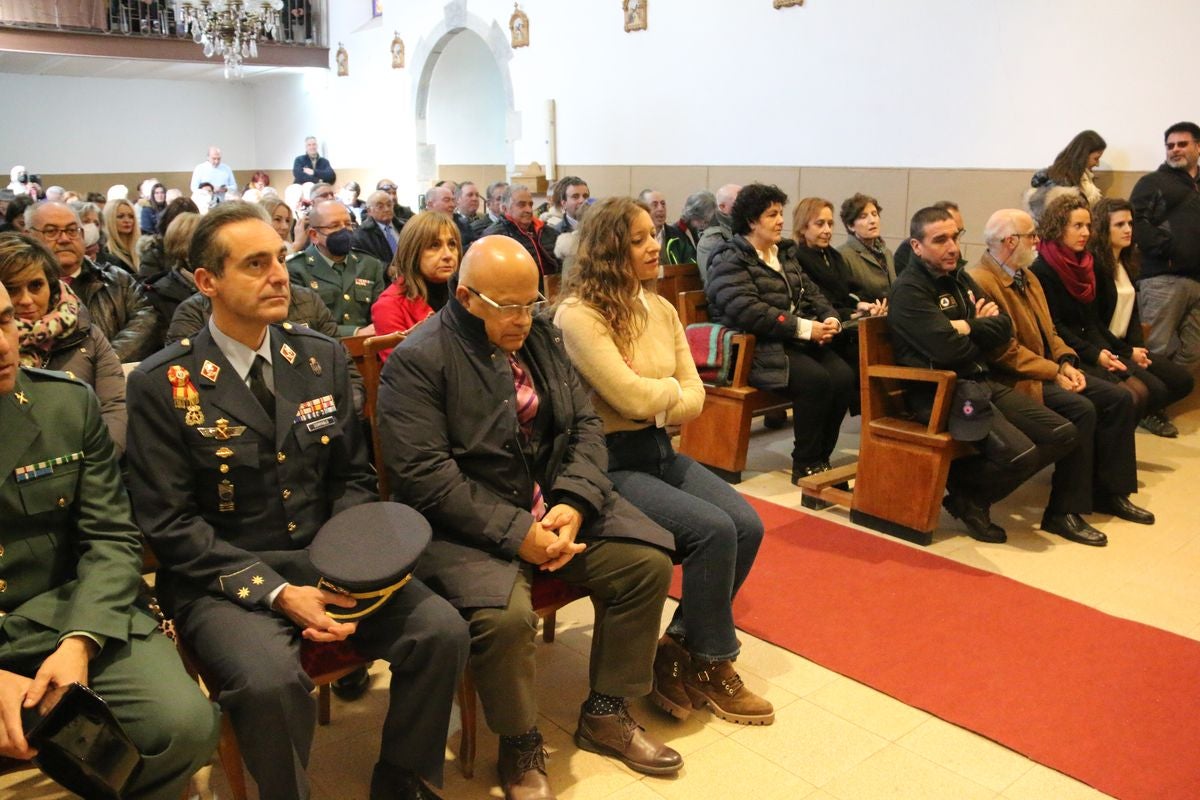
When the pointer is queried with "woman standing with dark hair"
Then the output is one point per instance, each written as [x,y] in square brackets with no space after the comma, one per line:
[151,206]
[427,254]
[628,344]
[1072,168]
[1116,263]
[755,284]
[55,330]
[872,269]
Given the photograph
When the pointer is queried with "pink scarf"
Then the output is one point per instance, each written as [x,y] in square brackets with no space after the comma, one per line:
[39,337]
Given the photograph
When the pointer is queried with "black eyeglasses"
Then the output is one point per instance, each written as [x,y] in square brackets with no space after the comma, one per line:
[53,231]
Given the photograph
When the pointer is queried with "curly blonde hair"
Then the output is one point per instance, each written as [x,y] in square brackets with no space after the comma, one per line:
[603,277]
[1053,221]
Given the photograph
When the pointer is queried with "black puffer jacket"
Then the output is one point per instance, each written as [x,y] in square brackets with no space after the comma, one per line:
[119,309]
[1166,222]
[746,294]
[165,292]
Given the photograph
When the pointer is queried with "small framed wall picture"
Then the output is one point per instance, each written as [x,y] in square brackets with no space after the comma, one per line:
[376,8]
[343,61]
[397,52]
[518,25]
[635,15]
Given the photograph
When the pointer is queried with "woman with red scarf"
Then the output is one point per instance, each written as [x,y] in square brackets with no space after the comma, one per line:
[1066,270]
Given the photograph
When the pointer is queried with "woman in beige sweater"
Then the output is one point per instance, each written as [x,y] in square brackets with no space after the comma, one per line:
[628,344]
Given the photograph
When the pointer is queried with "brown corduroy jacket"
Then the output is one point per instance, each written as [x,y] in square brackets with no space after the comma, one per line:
[1023,363]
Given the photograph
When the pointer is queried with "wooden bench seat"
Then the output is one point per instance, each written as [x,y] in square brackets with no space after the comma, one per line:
[720,436]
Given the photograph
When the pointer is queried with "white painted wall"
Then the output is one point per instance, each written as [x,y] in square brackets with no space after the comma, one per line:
[866,83]
[63,124]
[857,83]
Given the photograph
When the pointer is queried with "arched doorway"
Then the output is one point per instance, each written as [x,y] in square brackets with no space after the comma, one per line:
[464,95]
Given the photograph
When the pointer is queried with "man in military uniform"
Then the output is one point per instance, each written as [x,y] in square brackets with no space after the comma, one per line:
[349,282]
[244,444]
[69,562]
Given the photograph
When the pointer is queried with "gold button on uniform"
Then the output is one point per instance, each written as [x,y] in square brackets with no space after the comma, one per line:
[62,502]
[3,585]
[280,457]
[287,493]
[345,297]
[224,468]
[291,527]
[1,551]
[324,440]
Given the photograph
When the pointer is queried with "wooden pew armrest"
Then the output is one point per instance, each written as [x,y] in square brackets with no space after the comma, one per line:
[944,393]
[744,357]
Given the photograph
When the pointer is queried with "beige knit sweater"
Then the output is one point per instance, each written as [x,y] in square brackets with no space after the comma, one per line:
[629,395]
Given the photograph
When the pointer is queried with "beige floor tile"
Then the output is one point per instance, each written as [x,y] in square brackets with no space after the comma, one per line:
[868,708]
[30,785]
[898,774]
[1043,783]
[812,743]
[968,754]
[727,769]
[637,791]
[785,669]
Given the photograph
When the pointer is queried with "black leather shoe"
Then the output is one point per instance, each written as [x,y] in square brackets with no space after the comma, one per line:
[392,783]
[1158,424]
[975,517]
[812,503]
[352,686]
[1075,528]
[1119,506]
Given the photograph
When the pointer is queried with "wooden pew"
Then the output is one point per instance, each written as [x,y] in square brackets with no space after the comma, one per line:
[900,476]
[720,436]
[678,278]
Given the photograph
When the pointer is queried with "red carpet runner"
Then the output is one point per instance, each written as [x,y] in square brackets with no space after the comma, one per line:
[1113,703]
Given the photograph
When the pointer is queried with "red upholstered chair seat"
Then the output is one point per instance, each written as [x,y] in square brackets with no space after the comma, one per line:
[550,592]
[322,658]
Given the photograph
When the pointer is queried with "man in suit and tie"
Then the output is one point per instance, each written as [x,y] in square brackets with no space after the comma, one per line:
[378,233]
[245,444]
[69,562]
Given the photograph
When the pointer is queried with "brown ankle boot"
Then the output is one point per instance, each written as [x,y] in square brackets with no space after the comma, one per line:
[523,771]
[670,662]
[718,686]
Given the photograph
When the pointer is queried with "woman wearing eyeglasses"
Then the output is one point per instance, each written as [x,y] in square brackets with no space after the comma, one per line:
[1116,260]
[427,254]
[628,344]
[55,330]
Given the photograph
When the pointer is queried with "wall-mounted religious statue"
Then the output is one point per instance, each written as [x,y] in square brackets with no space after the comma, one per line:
[343,61]
[635,15]
[397,52]
[518,24]
[788,3]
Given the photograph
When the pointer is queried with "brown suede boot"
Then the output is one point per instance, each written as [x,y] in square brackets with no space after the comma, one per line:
[718,686]
[523,771]
[670,662]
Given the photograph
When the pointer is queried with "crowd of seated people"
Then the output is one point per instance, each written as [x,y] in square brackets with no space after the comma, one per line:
[534,443]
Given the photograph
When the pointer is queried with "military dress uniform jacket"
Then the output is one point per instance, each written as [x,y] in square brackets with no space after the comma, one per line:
[69,553]
[229,502]
[447,410]
[348,292]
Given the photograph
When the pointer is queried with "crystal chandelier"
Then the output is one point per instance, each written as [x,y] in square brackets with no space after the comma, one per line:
[232,28]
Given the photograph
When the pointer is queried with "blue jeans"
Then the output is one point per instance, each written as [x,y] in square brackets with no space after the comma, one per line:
[717,535]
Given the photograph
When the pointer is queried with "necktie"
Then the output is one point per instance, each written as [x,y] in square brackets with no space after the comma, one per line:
[527,408]
[390,234]
[1019,280]
[258,387]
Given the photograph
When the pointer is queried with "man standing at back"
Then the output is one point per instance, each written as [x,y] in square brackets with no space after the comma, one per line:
[213,171]
[1166,227]
[311,166]
[245,443]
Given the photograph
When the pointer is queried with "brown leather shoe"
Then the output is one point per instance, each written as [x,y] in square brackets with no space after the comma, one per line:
[670,662]
[617,735]
[523,771]
[718,686]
